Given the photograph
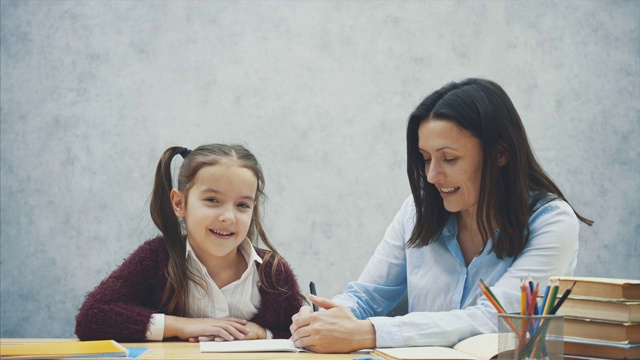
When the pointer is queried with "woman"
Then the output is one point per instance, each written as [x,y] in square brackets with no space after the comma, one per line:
[481,208]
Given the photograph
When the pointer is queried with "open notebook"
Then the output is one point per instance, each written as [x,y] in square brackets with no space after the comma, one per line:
[479,347]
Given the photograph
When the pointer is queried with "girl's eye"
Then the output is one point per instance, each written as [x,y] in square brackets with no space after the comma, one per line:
[244,206]
[427,161]
[451,160]
[211,200]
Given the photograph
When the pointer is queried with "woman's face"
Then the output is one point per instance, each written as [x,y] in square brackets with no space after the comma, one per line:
[453,163]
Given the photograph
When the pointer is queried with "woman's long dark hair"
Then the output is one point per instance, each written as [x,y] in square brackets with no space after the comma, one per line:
[175,296]
[484,109]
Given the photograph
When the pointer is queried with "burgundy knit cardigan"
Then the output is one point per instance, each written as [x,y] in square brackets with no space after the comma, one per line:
[120,307]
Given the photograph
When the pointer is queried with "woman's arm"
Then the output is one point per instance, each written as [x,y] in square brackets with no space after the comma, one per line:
[332,330]
[344,325]
[383,281]
[550,251]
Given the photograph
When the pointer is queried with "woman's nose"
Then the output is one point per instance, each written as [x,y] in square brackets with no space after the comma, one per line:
[433,172]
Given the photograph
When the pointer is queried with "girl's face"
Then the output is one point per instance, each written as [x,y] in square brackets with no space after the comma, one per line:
[453,163]
[218,209]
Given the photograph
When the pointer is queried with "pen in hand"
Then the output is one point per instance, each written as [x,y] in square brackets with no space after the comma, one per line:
[312,289]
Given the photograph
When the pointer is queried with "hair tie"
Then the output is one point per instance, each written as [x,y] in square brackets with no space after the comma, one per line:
[184,152]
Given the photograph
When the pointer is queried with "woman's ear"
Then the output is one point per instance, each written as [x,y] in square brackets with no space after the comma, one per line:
[177,202]
[503,153]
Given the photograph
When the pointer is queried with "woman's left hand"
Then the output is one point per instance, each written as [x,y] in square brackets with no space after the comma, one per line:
[334,330]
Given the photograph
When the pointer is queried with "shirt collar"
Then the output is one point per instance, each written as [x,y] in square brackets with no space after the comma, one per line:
[249,252]
[246,248]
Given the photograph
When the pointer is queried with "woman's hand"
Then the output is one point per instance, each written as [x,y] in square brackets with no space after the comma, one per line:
[205,329]
[334,330]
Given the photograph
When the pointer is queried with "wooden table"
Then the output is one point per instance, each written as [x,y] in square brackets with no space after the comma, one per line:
[187,351]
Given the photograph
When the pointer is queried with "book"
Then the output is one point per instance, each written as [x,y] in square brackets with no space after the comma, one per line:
[604,288]
[64,350]
[628,333]
[601,309]
[268,345]
[479,347]
[602,349]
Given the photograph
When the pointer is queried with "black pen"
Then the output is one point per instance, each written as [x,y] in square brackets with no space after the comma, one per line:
[312,289]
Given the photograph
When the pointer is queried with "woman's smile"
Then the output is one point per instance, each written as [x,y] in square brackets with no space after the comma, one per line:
[449,190]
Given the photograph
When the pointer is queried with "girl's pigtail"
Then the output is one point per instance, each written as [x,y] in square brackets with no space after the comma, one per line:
[163,216]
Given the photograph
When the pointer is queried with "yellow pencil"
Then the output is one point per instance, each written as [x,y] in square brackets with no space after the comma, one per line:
[523,298]
[552,297]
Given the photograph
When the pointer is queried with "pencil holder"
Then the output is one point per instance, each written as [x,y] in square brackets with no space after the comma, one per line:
[530,337]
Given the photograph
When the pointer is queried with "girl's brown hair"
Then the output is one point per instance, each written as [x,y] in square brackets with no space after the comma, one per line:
[175,296]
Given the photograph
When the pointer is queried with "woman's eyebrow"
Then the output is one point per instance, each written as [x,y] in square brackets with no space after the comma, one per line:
[438,149]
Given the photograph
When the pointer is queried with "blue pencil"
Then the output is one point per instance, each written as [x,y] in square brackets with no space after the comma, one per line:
[544,298]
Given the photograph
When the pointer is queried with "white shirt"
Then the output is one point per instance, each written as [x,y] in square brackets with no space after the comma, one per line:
[240,299]
[445,304]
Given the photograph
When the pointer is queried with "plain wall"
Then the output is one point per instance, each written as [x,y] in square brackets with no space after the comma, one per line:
[92,92]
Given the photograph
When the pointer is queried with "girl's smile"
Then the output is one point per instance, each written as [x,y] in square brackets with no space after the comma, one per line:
[223,234]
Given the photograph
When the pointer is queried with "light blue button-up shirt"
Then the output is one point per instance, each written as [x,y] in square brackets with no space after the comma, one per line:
[445,304]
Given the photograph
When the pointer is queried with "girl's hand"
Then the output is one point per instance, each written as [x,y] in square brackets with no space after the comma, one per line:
[256,332]
[205,329]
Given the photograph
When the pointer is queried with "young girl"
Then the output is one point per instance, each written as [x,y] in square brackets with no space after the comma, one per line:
[204,278]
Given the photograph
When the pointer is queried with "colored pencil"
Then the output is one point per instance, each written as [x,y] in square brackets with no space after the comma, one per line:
[545,298]
[534,299]
[553,296]
[562,299]
[486,287]
[523,299]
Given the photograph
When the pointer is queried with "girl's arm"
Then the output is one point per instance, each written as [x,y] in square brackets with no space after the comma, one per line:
[205,329]
[121,306]
[281,302]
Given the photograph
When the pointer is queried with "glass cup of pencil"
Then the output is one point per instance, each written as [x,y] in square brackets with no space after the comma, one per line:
[530,337]
[535,333]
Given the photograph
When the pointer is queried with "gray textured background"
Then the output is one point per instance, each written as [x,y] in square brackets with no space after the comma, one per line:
[92,92]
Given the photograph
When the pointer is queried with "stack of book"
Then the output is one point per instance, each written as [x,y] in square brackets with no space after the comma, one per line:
[602,317]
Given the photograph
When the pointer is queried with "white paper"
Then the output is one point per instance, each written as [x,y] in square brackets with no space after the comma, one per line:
[269,345]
